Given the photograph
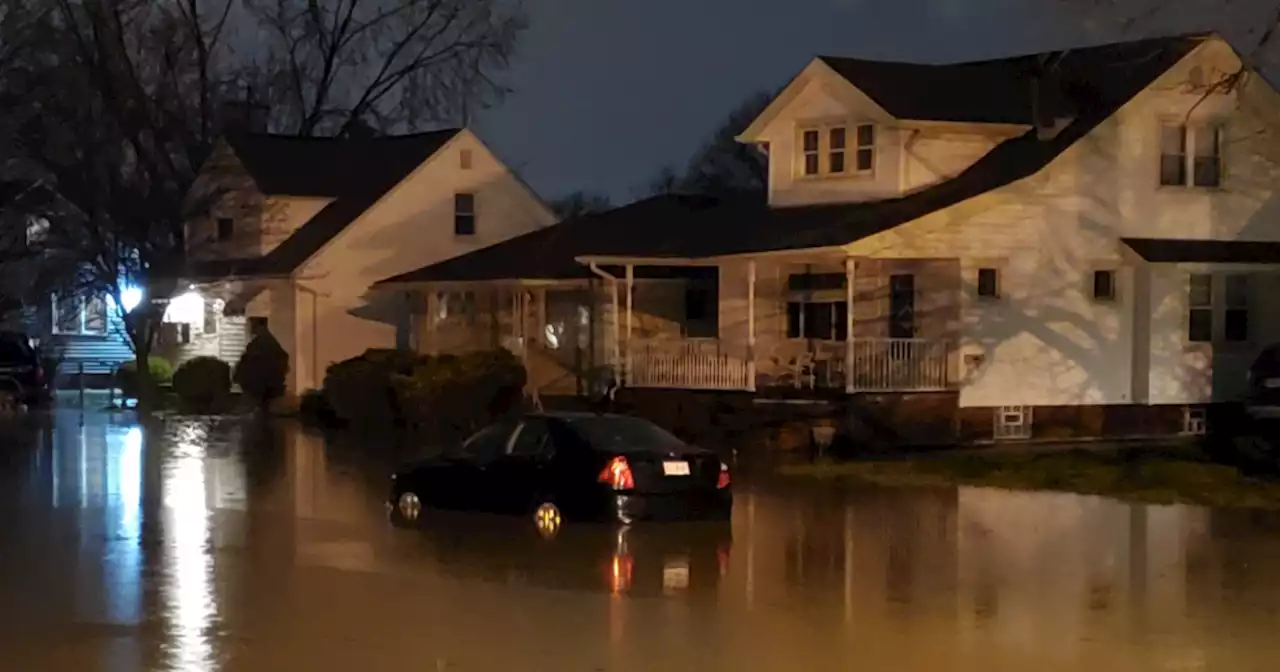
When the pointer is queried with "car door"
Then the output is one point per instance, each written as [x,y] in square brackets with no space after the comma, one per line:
[473,488]
[520,476]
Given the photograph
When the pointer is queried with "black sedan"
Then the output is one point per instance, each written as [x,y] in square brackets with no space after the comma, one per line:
[568,467]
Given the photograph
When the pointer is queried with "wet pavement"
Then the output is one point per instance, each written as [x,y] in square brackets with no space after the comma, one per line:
[200,544]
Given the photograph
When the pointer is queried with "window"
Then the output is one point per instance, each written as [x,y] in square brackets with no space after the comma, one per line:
[210,317]
[464,214]
[1236,315]
[1200,308]
[1173,155]
[818,320]
[1199,167]
[226,227]
[464,159]
[488,443]
[697,304]
[531,439]
[811,152]
[1104,285]
[78,315]
[866,147]
[1206,164]
[622,434]
[988,283]
[835,152]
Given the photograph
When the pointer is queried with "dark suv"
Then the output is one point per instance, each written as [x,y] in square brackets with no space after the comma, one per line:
[21,373]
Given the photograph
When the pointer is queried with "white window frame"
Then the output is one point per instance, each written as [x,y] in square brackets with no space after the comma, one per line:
[459,214]
[1190,133]
[1210,306]
[81,302]
[37,231]
[825,150]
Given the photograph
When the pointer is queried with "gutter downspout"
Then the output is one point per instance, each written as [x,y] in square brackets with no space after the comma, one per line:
[617,333]
[315,332]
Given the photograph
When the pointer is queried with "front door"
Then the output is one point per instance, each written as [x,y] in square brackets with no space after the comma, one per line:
[902,305]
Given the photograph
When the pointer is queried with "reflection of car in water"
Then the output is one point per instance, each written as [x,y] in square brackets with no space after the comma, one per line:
[637,560]
[568,467]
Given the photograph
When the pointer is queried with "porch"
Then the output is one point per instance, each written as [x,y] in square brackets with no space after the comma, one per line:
[806,324]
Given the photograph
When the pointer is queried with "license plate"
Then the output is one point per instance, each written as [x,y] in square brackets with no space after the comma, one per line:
[675,575]
[676,468]
[1271,383]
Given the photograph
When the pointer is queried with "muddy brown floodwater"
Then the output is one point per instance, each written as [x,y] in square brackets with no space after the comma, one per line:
[220,545]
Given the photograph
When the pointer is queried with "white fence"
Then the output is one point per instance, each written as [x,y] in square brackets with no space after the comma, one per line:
[900,365]
[691,364]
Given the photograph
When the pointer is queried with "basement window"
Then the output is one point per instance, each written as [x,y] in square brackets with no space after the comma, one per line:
[988,283]
[1013,422]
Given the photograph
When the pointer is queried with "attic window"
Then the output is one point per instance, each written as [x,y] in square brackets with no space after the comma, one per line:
[464,159]
[866,147]
[464,214]
[1190,156]
[988,283]
[1104,285]
[835,155]
[226,227]
[811,154]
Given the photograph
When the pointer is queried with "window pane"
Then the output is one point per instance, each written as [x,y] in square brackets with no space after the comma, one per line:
[226,227]
[864,159]
[532,439]
[464,203]
[1173,139]
[1237,325]
[464,224]
[988,282]
[66,315]
[1173,170]
[810,141]
[866,135]
[95,315]
[620,434]
[1104,285]
[1208,171]
[810,164]
[837,162]
[488,443]
[841,321]
[837,138]
[793,319]
[1201,292]
[1237,291]
[1206,141]
[1200,327]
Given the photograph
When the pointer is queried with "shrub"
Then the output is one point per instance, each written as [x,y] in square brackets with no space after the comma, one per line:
[203,382]
[360,390]
[314,409]
[160,370]
[262,368]
[454,395]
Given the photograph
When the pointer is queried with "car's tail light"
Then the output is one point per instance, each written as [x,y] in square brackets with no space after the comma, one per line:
[723,480]
[617,474]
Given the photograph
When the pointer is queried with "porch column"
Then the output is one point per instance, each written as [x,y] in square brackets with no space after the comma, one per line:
[848,325]
[427,342]
[631,280]
[617,332]
[751,325]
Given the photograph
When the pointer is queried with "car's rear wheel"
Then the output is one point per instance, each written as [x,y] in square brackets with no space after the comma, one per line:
[547,520]
[408,507]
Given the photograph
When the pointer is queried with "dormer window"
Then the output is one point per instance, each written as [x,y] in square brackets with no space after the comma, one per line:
[825,150]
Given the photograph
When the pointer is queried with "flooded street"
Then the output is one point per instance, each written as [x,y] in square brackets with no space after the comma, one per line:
[219,545]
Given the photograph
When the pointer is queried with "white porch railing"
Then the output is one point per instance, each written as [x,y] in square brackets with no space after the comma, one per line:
[878,365]
[693,364]
[900,365]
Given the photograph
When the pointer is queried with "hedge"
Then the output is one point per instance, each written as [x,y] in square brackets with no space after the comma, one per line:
[203,383]
[443,393]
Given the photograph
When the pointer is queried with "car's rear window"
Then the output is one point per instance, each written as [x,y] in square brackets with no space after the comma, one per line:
[614,434]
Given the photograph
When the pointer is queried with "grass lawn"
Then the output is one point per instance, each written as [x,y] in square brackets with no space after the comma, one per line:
[1141,474]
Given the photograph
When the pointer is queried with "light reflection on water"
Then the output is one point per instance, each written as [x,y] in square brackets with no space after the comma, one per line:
[220,545]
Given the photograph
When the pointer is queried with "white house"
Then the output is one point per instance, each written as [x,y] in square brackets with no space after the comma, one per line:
[299,229]
[1070,242]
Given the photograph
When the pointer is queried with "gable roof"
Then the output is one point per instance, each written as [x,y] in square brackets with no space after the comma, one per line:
[1180,250]
[353,172]
[647,227]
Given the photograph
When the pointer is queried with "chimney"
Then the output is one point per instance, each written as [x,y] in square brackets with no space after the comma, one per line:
[1049,105]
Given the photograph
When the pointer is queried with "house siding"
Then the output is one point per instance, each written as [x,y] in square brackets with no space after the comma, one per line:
[1046,341]
[97,355]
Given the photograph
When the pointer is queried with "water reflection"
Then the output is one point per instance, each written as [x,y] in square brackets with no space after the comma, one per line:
[228,545]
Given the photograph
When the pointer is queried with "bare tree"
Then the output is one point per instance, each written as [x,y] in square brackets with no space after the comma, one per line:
[391,64]
[115,105]
[580,203]
[722,166]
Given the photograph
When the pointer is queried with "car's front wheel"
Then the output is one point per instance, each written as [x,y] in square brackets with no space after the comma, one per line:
[547,519]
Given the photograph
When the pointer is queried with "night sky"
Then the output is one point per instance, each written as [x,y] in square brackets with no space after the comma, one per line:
[609,91]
